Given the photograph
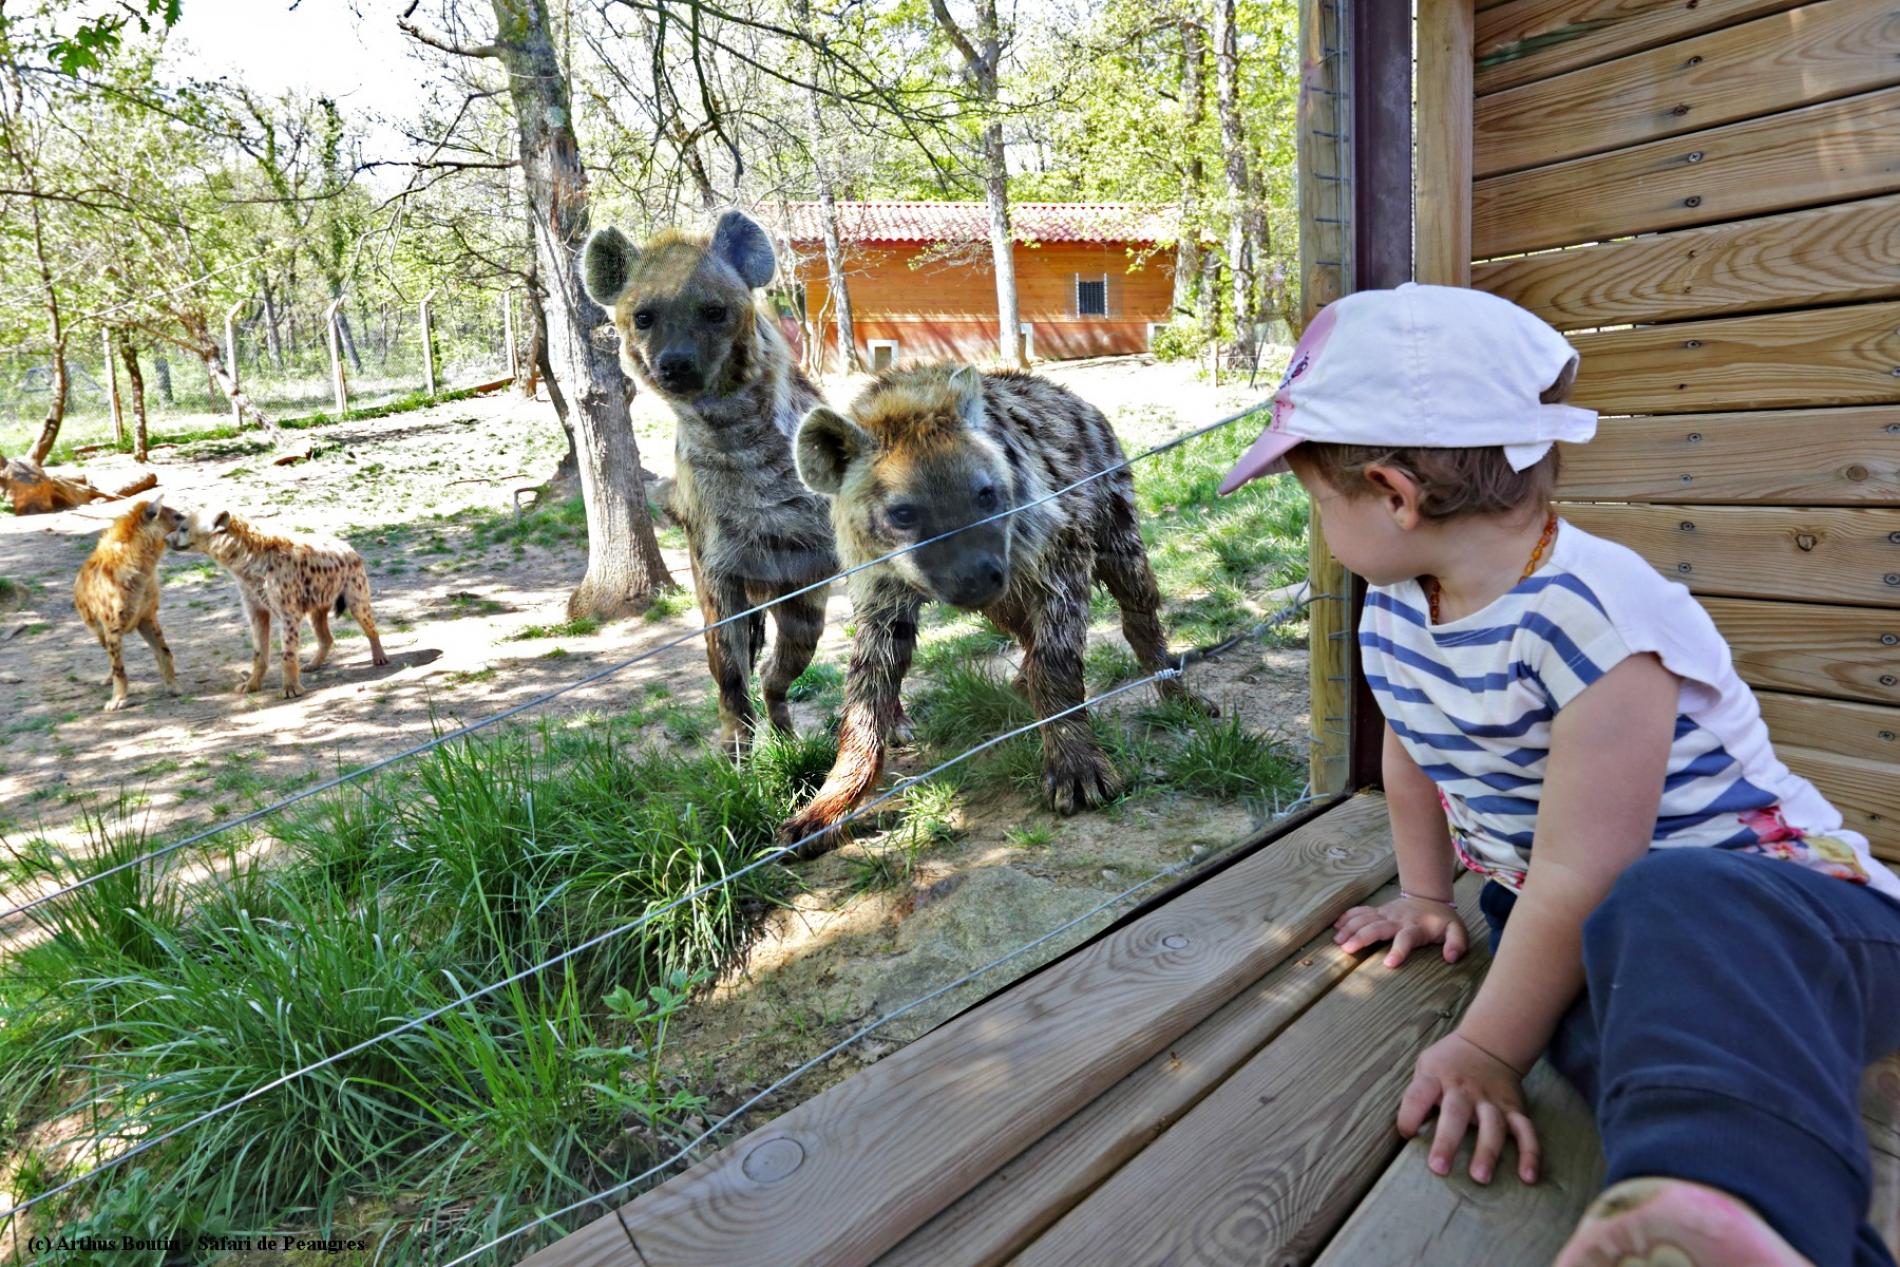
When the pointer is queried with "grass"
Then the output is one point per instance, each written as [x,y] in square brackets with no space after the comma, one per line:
[669,603]
[579,627]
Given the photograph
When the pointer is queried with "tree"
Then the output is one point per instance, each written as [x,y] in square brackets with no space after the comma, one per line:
[1245,227]
[828,210]
[982,61]
[624,565]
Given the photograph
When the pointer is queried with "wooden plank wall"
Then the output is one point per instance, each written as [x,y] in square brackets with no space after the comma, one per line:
[1706,198]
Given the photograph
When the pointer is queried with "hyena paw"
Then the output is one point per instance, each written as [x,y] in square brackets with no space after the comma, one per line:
[292,690]
[379,659]
[814,830]
[903,730]
[116,703]
[1081,783]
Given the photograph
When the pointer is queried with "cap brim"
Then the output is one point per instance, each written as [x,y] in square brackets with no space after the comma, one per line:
[1266,457]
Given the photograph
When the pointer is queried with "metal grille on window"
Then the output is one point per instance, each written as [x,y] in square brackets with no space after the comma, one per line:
[1091,297]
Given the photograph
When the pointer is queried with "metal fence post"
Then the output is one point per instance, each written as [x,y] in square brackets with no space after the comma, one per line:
[231,359]
[336,358]
[112,391]
[428,343]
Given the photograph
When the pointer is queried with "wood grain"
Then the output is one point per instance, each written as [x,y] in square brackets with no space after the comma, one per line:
[1830,49]
[1798,158]
[845,1176]
[1840,652]
[1843,727]
[1880,1110]
[1801,553]
[1263,1169]
[1534,39]
[1845,253]
[1010,1208]
[1822,356]
[1805,457]
[1867,793]
[1442,207]
[1412,1216]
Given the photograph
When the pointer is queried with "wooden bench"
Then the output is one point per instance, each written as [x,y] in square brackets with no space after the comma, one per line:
[1213,1083]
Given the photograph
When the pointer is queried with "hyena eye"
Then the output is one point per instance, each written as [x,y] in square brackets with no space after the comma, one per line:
[714,313]
[643,320]
[986,497]
[902,516]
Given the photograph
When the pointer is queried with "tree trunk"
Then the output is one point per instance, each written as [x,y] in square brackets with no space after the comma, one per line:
[141,438]
[1242,216]
[1189,294]
[162,369]
[201,344]
[349,340]
[272,342]
[624,565]
[828,216]
[55,407]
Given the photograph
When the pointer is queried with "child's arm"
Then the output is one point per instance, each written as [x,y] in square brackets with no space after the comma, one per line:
[1422,841]
[1609,750]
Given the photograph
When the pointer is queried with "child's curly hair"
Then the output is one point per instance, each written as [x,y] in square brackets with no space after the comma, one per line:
[1451,482]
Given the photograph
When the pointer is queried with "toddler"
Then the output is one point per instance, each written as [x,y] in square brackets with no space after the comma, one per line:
[1678,921]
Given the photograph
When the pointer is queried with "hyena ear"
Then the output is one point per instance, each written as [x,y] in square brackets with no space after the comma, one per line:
[967,383]
[827,444]
[607,265]
[740,242]
[152,507]
[222,522]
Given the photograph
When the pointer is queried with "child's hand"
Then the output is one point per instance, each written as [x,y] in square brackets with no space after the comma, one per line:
[1407,923]
[1466,1083]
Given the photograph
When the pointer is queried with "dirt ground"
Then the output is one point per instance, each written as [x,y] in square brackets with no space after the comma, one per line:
[466,618]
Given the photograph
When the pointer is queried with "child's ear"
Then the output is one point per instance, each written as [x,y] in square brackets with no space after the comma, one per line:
[1399,493]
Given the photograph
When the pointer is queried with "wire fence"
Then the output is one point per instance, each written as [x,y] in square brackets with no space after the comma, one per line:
[464,999]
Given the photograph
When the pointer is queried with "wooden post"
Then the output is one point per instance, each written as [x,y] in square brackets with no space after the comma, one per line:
[231,359]
[428,344]
[336,357]
[1443,207]
[508,333]
[112,391]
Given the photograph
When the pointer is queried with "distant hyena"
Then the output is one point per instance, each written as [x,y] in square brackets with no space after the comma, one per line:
[285,578]
[691,332]
[933,448]
[117,589]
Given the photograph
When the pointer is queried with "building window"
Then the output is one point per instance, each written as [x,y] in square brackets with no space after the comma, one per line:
[883,354]
[1091,296]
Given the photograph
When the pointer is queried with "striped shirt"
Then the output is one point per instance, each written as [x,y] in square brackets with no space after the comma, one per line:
[1473,699]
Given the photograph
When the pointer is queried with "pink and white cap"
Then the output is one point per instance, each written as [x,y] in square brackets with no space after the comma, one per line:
[1421,366]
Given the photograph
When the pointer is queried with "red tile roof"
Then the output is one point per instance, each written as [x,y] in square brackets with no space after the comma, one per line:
[970,221]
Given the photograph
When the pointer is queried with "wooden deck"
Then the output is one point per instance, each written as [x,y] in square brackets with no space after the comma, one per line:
[1212,1083]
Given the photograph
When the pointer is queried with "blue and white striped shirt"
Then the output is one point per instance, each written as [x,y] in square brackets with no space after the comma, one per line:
[1473,699]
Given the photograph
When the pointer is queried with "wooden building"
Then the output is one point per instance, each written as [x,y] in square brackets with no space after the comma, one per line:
[1092,279]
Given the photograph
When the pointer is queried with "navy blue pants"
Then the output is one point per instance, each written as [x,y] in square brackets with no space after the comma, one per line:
[1733,1002]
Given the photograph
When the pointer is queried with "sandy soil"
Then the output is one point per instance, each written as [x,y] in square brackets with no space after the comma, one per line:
[410,492]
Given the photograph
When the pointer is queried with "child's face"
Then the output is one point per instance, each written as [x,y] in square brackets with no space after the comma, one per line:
[1366,533]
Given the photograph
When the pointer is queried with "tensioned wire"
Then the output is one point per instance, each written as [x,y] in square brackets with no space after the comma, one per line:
[598,675]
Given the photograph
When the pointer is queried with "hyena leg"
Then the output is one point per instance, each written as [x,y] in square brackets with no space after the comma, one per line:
[260,649]
[1121,564]
[1013,619]
[113,641]
[292,634]
[729,654]
[356,599]
[1075,773]
[880,656]
[320,625]
[155,639]
[798,623]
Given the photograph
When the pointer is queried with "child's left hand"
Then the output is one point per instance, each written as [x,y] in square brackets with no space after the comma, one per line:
[1467,1084]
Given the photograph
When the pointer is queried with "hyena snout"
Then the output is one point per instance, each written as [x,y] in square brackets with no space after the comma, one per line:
[678,371]
[970,574]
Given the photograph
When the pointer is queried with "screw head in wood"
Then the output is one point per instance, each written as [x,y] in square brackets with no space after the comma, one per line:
[1892,578]
[1887,736]
[1888,679]
[1688,479]
[1174,941]
[1695,156]
[1686,525]
[773,1160]
[1682,567]
[1695,437]
[1693,200]
[1888,640]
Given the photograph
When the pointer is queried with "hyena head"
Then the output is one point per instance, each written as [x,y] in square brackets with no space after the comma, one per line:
[683,303]
[913,460]
[195,531]
[159,519]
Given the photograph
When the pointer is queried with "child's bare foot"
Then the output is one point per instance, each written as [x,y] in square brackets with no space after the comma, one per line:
[1674,1223]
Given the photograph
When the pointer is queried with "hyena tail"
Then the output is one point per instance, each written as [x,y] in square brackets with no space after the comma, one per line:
[342,604]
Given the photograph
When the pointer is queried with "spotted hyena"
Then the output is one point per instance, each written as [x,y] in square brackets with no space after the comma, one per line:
[285,578]
[691,332]
[930,449]
[117,589]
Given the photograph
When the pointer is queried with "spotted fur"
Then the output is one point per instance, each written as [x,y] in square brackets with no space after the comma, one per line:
[692,333]
[117,590]
[932,449]
[284,579]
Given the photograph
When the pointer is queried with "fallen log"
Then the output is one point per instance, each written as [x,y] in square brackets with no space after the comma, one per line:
[34,492]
